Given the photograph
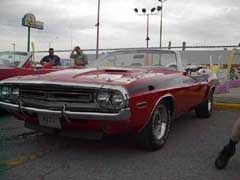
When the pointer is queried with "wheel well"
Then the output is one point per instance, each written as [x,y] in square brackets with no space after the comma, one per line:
[169,101]
[212,90]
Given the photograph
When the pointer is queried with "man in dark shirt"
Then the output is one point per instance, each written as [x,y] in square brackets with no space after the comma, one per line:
[51,58]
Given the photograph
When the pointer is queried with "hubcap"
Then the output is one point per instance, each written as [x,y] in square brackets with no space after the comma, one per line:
[160,119]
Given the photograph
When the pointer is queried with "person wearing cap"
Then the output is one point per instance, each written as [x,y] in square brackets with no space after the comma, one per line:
[52,59]
[80,59]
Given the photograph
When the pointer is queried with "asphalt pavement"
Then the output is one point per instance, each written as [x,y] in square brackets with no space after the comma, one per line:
[189,154]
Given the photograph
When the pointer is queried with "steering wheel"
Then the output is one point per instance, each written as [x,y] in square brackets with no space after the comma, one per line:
[172,66]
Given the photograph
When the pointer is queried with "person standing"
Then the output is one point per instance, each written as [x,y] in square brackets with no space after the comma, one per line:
[80,59]
[54,60]
[229,149]
[232,73]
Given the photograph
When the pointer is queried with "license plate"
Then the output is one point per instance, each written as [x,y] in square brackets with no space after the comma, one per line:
[53,121]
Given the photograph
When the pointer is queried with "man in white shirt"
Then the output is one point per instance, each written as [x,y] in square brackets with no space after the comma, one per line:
[80,59]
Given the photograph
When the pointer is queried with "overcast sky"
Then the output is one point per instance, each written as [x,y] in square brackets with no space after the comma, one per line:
[205,22]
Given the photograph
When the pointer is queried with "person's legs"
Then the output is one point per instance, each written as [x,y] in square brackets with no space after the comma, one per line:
[229,149]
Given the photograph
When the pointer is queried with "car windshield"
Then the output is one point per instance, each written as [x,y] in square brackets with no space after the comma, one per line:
[11,59]
[137,58]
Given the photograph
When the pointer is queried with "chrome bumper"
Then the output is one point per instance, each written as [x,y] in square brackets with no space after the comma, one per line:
[122,115]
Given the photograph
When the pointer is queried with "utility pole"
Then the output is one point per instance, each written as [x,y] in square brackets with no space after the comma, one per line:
[97,25]
[161,22]
[28,43]
[14,50]
[147,39]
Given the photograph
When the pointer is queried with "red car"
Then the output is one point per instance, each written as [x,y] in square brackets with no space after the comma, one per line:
[133,92]
[19,64]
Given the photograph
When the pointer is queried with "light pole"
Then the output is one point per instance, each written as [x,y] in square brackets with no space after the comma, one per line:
[145,13]
[147,38]
[29,36]
[161,22]
[70,28]
[97,25]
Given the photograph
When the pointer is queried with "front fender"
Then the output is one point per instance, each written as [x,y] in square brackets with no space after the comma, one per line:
[141,117]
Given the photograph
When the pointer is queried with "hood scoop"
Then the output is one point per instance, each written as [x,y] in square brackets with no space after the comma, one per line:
[116,70]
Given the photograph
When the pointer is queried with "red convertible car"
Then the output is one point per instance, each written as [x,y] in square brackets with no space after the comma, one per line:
[20,64]
[135,92]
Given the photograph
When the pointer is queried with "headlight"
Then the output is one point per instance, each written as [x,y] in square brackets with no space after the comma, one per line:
[111,99]
[9,93]
[15,92]
[117,100]
[5,91]
[103,98]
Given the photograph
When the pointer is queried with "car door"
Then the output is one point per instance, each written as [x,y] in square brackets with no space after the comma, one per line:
[181,93]
[187,92]
[196,90]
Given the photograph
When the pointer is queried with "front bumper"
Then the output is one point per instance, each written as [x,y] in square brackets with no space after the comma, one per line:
[122,115]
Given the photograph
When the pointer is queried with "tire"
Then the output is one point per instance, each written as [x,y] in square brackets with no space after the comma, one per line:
[155,134]
[2,111]
[204,110]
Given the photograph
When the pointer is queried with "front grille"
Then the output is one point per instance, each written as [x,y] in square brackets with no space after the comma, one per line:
[57,96]
[52,97]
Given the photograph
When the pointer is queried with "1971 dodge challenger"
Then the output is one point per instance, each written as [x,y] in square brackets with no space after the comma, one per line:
[137,92]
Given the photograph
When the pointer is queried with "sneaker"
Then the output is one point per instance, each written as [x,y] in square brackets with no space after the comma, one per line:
[223,157]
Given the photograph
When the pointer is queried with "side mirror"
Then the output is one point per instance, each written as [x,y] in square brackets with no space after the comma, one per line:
[38,66]
[192,68]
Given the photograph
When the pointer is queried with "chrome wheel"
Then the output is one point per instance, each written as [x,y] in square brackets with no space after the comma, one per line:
[160,120]
[155,134]
[204,110]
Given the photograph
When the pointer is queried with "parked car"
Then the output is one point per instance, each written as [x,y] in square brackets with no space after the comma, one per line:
[133,92]
[20,63]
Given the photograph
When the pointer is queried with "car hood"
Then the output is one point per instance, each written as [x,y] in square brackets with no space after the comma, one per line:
[96,76]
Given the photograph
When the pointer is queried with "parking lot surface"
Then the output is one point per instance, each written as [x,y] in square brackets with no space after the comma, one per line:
[189,153]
